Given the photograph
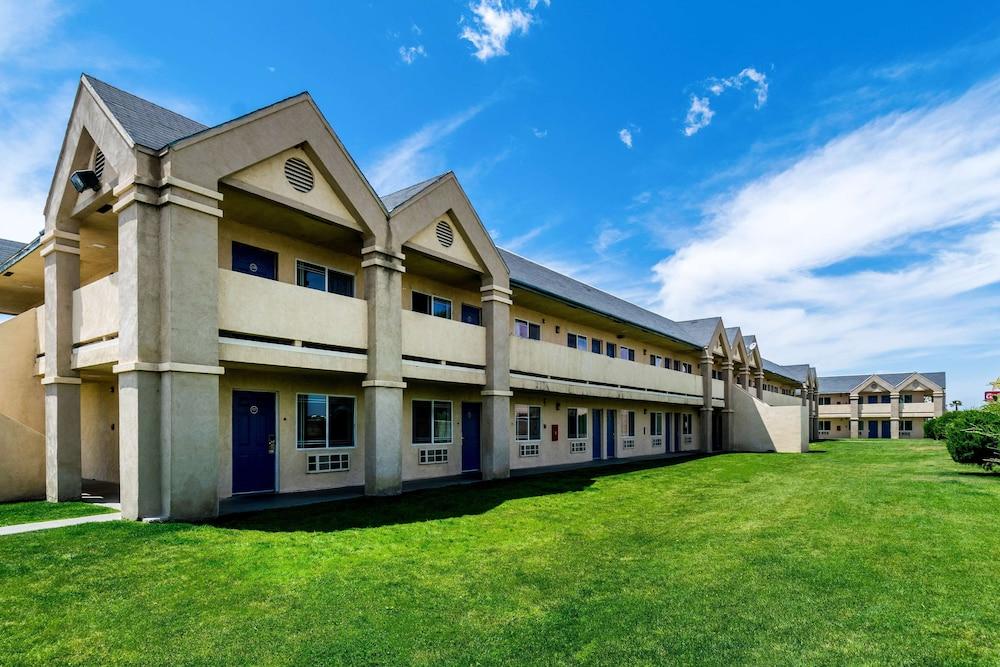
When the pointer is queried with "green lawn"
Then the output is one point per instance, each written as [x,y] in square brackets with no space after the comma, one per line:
[860,552]
[39,510]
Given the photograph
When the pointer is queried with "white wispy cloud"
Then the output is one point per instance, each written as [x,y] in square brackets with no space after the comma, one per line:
[700,112]
[539,134]
[410,53]
[25,26]
[609,235]
[625,136]
[491,25]
[777,255]
[414,159]
[699,115]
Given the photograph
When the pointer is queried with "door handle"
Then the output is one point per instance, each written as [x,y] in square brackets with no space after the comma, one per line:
[270,444]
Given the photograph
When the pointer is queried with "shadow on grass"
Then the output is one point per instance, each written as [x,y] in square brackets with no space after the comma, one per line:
[430,504]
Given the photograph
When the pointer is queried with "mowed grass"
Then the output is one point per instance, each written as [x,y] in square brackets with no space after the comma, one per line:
[38,510]
[860,552]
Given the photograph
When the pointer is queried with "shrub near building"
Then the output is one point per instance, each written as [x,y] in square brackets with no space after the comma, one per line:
[973,437]
[936,427]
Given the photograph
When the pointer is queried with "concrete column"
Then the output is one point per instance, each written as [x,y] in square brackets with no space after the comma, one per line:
[759,377]
[894,410]
[728,422]
[813,416]
[855,414]
[745,377]
[938,403]
[61,255]
[139,347]
[496,394]
[706,408]
[169,352]
[384,384]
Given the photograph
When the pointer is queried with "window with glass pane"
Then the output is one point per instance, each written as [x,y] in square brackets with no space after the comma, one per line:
[579,342]
[431,422]
[524,329]
[311,276]
[576,426]
[441,308]
[626,353]
[686,424]
[612,350]
[340,283]
[422,421]
[629,424]
[595,345]
[655,423]
[341,423]
[442,422]
[420,303]
[527,422]
[312,412]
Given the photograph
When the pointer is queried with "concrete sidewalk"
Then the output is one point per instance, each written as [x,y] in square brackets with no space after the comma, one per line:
[59,523]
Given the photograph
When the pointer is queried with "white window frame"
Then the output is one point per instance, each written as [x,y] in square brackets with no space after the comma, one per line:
[579,337]
[687,424]
[328,448]
[430,456]
[433,298]
[655,360]
[586,423]
[528,324]
[541,427]
[326,277]
[451,420]
[627,357]
[314,459]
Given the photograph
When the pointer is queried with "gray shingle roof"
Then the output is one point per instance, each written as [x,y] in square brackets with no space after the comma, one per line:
[842,384]
[786,372]
[9,249]
[528,274]
[700,331]
[750,341]
[396,199]
[148,124]
[731,334]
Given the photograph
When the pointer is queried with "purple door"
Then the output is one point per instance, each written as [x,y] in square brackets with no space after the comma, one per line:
[254,442]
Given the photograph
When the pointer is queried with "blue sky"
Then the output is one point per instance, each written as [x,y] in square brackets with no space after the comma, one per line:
[827,178]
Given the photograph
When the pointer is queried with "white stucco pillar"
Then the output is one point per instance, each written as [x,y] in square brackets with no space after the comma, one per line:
[61,255]
[706,406]
[496,301]
[759,377]
[383,386]
[728,421]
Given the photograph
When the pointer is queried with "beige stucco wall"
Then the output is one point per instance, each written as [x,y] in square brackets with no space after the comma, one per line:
[643,350]
[460,251]
[292,475]
[22,461]
[99,431]
[269,175]
[21,396]
[457,295]
[289,250]
[760,427]
[412,469]
[558,452]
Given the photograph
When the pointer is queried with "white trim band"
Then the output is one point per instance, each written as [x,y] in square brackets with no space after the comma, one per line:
[496,288]
[59,379]
[167,367]
[384,383]
[58,247]
[384,263]
[493,297]
[496,392]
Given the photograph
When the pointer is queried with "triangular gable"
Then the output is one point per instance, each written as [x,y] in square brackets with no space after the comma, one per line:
[739,348]
[719,342]
[216,153]
[872,383]
[918,382]
[293,176]
[415,222]
[445,240]
[91,126]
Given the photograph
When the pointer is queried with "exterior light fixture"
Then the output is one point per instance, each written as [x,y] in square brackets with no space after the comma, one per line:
[85,179]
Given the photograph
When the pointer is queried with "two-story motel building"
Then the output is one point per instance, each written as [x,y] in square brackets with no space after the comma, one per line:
[233,310]
[880,405]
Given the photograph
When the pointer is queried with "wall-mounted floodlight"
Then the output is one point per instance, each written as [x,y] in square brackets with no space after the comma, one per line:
[85,179]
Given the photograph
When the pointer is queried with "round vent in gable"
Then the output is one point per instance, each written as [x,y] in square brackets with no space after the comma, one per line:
[99,164]
[445,236]
[299,175]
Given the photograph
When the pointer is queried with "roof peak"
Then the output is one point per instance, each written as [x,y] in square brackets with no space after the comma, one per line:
[146,123]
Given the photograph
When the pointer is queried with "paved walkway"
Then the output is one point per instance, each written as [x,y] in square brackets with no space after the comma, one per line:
[59,523]
[104,494]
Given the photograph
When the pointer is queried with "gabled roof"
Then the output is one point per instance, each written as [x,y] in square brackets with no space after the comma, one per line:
[147,124]
[396,199]
[786,372]
[842,384]
[731,333]
[528,274]
[750,341]
[701,331]
[8,249]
